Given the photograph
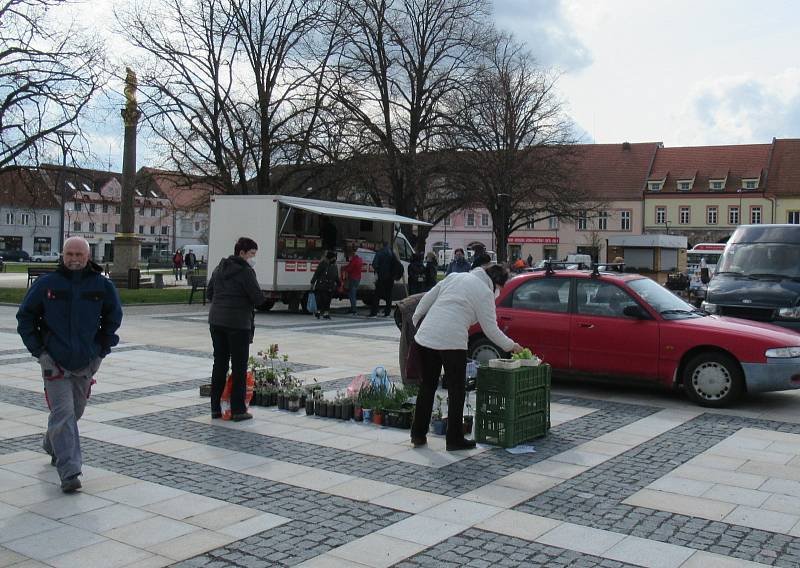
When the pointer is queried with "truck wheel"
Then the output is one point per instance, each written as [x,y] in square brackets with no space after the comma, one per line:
[713,379]
[294,304]
[481,350]
[266,306]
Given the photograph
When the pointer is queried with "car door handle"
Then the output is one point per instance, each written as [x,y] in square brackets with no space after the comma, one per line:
[586,325]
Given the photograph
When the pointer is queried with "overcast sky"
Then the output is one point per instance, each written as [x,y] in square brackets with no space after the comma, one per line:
[685,72]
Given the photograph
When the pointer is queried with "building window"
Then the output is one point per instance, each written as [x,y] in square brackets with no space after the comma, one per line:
[77,206]
[711,215]
[141,211]
[152,229]
[91,227]
[602,221]
[755,215]
[583,222]
[470,220]
[118,209]
[152,211]
[141,229]
[684,185]
[750,184]
[164,230]
[529,223]
[684,215]
[625,220]
[733,215]
[197,223]
[484,219]
[654,185]
[552,223]
[793,217]
[25,219]
[76,226]
[45,220]
[105,207]
[661,215]
[117,227]
[104,227]
[9,218]
[717,185]
[91,208]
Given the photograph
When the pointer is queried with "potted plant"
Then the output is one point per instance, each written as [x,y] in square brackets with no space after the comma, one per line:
[357,414]
[366,398]
[347,408]
[437,420]
[310,405]
[469,418]
[321,407]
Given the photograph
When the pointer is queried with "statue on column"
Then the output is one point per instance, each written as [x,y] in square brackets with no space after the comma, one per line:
[131,111]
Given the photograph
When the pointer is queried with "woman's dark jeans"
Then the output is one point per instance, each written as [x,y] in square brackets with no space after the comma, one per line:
[231,350]
[454,362]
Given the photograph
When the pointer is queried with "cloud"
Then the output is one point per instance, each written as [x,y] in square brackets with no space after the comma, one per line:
[742,109]
[544,26]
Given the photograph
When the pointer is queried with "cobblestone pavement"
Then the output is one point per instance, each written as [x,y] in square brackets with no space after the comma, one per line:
[626,477]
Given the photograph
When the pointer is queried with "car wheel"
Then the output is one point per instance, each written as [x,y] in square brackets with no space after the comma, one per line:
[266,306]
[713,379]
[37,260]
[481,350]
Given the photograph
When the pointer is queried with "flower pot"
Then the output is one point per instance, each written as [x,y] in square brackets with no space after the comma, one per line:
[337,410]
[331,410]
[309,406]
[321,408]
[366,414]
[403,419]
[358,416]
[468,421]
[347,411]
[205,390]
[293,404]
[439,427]
[390,418]
[281,401]
[377,417]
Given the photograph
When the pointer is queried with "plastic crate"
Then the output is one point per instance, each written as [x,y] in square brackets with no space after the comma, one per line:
[510,433]
[513,406]
[513,381]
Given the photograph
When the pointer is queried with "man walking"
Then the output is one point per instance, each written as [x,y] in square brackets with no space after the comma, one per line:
[68,321]
[384,281]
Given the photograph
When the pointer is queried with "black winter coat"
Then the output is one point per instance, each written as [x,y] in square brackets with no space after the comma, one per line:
[234,293]
[326,277]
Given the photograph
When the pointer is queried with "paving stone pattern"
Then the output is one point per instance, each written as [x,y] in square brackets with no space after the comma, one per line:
[483,549]
[595,497]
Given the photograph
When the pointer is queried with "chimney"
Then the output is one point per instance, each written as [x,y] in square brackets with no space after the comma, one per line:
[626,145]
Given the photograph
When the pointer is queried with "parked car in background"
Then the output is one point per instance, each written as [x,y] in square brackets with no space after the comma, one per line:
[15,255]
[627,326]
[51,256]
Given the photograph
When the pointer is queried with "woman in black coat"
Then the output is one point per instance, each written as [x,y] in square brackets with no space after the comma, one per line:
[234,293]
[416,275]
[324,283]
[431,269]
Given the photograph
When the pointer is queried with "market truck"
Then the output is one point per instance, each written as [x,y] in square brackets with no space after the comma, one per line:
[290,245]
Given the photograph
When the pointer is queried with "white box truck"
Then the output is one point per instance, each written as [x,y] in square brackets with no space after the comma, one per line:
[290,241]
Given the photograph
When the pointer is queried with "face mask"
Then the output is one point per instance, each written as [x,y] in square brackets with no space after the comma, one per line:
[251,262]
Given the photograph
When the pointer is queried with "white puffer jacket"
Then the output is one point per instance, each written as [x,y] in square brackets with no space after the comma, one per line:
[455,304]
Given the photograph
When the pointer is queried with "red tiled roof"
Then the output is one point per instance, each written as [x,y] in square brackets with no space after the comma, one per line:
[615,171]
[784,170]
[26,187]
[711,162]
[183,191]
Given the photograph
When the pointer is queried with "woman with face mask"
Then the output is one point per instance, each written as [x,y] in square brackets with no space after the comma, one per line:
[449,310]
[234,293]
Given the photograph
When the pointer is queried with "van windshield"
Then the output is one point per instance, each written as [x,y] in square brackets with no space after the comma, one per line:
[761,260]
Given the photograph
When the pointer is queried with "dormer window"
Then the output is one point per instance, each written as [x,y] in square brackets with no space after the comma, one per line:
[654,185]
[684,185]
[717,184]
[749,184]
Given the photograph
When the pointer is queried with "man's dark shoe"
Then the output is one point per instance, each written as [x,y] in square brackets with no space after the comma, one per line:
[71,484]
[417,442]
[215,415]
[241,417]
[461,445]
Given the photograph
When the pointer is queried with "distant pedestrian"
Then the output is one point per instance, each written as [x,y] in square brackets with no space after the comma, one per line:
[324,283]
[177,265]
[431,271]
[68,320]
[234,293]
[383,264]
[190,260]
[530,260]
[459,263]
[416,274]
[353,273]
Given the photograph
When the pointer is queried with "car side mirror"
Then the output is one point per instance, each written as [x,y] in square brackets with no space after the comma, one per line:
[635,311]
[704,276]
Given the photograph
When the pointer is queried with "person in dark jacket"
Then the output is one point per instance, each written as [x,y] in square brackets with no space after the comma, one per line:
[68,320]
[416,274]
[324,283]
[431,270]
[384,281]
[177,264]
[234,293]
[459,263]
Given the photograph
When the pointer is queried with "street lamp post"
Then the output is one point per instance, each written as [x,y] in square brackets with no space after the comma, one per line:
[65,148]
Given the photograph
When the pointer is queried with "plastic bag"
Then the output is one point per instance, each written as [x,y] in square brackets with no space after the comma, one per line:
[225,401]
[311,304]
[356,385]
[380,378]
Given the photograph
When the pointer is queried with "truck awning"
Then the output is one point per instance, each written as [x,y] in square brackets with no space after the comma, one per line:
[348,210]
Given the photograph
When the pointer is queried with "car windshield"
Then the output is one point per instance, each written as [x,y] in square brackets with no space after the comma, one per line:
[662,300]
[761,260]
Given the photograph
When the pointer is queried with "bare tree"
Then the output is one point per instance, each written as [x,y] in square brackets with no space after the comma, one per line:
[228,90]
[48,74]
[397,61]
[516,143]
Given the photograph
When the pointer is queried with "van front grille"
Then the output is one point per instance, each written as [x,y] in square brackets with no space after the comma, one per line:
[755,314]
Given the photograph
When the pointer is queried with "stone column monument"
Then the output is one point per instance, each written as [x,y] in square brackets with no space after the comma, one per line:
[126,244]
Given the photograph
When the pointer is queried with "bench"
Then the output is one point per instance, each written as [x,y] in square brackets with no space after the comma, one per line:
[198,282]
[35,272]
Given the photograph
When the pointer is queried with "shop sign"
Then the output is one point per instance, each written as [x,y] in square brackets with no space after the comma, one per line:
[302,267]
[291,266]
[537,240]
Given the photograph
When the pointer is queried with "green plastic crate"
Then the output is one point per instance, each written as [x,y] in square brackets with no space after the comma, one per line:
[513,406]
[494,430]
[513,381]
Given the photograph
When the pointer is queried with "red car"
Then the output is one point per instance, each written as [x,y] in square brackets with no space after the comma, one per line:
[628,326]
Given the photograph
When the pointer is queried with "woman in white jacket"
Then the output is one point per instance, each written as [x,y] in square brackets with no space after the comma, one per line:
[450,308]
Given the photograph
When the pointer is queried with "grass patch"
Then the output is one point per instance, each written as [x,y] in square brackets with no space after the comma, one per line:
[128,297]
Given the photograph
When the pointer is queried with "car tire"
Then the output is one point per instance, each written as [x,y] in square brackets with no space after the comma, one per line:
[37,260]
[266,306]
[713,380]
[482,349]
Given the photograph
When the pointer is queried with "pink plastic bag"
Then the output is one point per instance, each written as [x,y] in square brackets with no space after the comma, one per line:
[356,385]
